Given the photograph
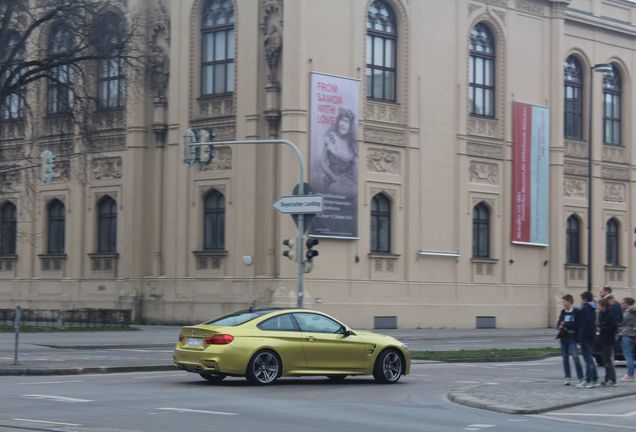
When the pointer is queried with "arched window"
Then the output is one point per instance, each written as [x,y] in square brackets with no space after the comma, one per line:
[214,221]
[611,242]
[612,92]
[217,48]
[60,83]
[573,103]
[56,227]
[8,228]
[107,225]
[12,107]
[111,81]
[481,71]
[573,241]
[481,231]
[380,224]
[381,51]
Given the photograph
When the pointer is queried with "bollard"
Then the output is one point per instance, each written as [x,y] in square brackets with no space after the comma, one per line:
[16,329]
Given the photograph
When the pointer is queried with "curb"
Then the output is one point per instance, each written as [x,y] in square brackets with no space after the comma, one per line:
[86,370]
[462,397]
[491,360]
[99,347]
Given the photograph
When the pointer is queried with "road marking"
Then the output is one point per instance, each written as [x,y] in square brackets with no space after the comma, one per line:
[468,382]
[477,427]
[56,398]
[50,382]
[186,410]
[46,422]
[140,350]
[470,341]
[582,422]
[517,420]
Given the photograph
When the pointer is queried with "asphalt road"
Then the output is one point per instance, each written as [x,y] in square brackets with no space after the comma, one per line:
[178,401]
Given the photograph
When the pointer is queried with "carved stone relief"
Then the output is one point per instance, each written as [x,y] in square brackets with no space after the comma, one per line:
[222,160]
[481,172]
[11,153]
[575,169]
[532,6]
[383,161]
[483,127]
[615,173]
[574,187]
[387,113]
[62,171]
[614,154]
[485,150]
[384,137]
[614,192]
[577,149]
[476,200]
[110,119]
[272,27]
[106,168]
[390,192]
[502,3]
[217,107]
[12,130]
[99,142]
[57,125]
[10,179]
[159,70]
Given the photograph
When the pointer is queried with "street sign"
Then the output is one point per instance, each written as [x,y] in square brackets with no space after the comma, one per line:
[298,204]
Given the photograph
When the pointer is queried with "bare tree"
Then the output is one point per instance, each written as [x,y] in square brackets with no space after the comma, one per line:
[91,36]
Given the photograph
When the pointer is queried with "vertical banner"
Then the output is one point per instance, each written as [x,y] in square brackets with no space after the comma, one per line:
[530,174]
[334,154]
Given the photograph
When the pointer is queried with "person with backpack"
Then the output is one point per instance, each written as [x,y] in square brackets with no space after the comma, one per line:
[567,326]
[615,306]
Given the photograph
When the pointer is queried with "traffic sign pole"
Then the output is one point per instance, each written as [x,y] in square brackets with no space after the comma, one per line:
[300,281]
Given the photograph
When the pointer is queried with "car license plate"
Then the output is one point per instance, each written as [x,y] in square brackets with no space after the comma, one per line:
[194,342]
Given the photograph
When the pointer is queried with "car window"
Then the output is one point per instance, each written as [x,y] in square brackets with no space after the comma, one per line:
[237,318]
[316,323]
[281,323]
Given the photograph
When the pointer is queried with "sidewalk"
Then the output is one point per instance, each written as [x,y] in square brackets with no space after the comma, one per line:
[536,397]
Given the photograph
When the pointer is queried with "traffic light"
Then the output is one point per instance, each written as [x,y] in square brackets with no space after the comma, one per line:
[291,252]
[311,253]
[47,163]
[206,152]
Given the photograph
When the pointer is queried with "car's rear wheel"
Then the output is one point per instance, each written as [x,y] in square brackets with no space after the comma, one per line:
[264,368]
[336,378]
[389,367]
[212,377]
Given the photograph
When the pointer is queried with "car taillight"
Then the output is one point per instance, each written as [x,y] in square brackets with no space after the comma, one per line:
[181,338]
[219,339]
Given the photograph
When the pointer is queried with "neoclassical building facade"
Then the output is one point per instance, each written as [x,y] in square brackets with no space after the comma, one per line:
[127,225]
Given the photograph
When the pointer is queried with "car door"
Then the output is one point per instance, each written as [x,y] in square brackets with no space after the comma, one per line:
[325,345]
[282,333]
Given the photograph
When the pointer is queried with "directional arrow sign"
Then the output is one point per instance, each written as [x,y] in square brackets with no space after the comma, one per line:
[298,204]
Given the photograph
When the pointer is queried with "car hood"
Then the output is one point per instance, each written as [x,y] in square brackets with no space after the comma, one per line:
[370,336]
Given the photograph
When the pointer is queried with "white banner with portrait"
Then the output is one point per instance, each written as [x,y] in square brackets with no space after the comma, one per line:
[334,154]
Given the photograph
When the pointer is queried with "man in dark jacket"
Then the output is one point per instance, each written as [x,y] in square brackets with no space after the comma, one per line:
[607,328]
[587,335]
[568,326]
[615,307]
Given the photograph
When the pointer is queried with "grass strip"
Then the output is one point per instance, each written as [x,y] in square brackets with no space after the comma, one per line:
[67,329]
[494,354]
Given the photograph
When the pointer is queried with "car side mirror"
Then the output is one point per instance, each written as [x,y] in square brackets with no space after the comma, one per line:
[348,332]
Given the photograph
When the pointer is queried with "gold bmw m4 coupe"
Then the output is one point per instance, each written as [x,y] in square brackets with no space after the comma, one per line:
[265,344]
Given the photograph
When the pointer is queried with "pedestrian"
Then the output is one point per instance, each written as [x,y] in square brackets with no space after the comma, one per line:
[615,306]
[586,335]
[627,334]
[608,327]
[567,325]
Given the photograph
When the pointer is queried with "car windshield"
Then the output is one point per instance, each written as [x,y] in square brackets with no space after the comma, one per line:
[237,318]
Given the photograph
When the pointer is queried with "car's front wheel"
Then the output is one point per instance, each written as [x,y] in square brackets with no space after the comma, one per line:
[264,368]
[212,377]
[389,367]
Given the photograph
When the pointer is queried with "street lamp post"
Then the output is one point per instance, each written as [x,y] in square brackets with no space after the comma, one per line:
[602,68]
